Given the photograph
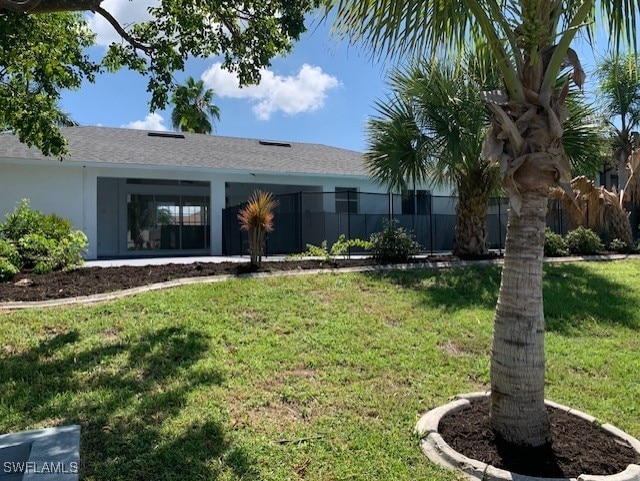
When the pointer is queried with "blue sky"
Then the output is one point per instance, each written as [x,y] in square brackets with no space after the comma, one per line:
[322,92]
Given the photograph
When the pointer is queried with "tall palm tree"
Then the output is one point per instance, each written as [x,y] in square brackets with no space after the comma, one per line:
[619,91]
[530,42]
[194,109]
[430,130]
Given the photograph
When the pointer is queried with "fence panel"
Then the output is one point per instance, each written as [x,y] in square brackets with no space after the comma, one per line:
[312,217]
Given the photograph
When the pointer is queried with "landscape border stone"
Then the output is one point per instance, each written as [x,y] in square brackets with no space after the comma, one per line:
[438,451]
[115,295]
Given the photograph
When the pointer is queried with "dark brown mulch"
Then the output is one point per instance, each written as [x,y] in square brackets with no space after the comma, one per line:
[96,280]
[85,281]
[578,447]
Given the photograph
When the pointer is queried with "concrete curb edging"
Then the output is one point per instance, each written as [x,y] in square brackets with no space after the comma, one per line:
[115,295]
[438,451]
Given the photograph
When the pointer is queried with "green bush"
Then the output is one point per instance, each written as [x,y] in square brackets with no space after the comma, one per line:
[35,248]
[43,242]
[10,253]
[583,241]
[69,250]
[7,270]
[554,244]
[21,221]
[45,254]
[393,244]
[55,227]
[339,248]
[24,221]
[618,245]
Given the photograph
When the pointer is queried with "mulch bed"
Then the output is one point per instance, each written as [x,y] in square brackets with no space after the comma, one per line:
[578,447]
[85,281]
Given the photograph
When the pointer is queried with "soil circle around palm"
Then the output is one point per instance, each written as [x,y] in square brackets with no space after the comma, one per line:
[578,446]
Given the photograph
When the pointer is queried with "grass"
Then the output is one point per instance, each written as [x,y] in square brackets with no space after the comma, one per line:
[315,378]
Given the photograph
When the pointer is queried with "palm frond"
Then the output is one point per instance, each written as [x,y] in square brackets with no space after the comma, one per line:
[431,129]
[585,137]
[193,107]
[395,156]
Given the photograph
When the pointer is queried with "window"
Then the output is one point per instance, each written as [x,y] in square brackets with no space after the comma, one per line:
[421,201]
[346,200]
[167,222]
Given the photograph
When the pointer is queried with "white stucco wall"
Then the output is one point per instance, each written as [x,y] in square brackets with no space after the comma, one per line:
[69,189]
[56,188]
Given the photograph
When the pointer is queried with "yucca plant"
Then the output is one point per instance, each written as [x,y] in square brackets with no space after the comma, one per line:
[257,219]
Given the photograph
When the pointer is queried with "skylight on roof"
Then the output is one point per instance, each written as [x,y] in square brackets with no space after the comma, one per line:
[169,135]
[274,144]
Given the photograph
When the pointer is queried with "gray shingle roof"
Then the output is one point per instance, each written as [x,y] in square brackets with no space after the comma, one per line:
[135,147]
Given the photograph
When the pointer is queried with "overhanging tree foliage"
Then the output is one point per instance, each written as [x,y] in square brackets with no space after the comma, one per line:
[42,44]
[40,56]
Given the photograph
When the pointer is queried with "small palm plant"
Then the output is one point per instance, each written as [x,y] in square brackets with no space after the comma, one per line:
[257,219]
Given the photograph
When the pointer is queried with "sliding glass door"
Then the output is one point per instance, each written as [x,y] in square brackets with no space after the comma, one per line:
[167,222]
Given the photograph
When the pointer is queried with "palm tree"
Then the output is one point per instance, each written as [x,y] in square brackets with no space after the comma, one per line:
[193,109]
[619,91]
[530,42]
[430,130]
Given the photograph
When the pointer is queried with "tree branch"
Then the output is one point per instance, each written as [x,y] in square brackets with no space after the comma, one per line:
[19,6]
[123,33]
[48,6]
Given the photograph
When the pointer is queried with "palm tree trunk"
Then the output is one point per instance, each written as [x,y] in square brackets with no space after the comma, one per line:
[620,157]
[518,412]
[471,226]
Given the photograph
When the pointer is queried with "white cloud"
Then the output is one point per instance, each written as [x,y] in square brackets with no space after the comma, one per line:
[152,121]
[304,92]
[127,12]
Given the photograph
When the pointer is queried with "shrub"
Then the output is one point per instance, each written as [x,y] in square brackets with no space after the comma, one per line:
[618,245]
[583,241]
[393,244]
[44,242]
[70,250]
[21,221]
[7,270]
[35,248]
[10,253]
[257,219]
[339,248]
[55,227]
[554,244]
[47,254]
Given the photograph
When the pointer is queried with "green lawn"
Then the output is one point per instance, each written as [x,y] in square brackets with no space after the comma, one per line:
[311,377]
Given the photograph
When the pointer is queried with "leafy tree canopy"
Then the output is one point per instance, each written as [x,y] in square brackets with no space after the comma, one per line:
[41,51]
[40,56]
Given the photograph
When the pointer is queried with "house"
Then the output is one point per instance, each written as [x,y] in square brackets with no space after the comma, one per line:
[137,193]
